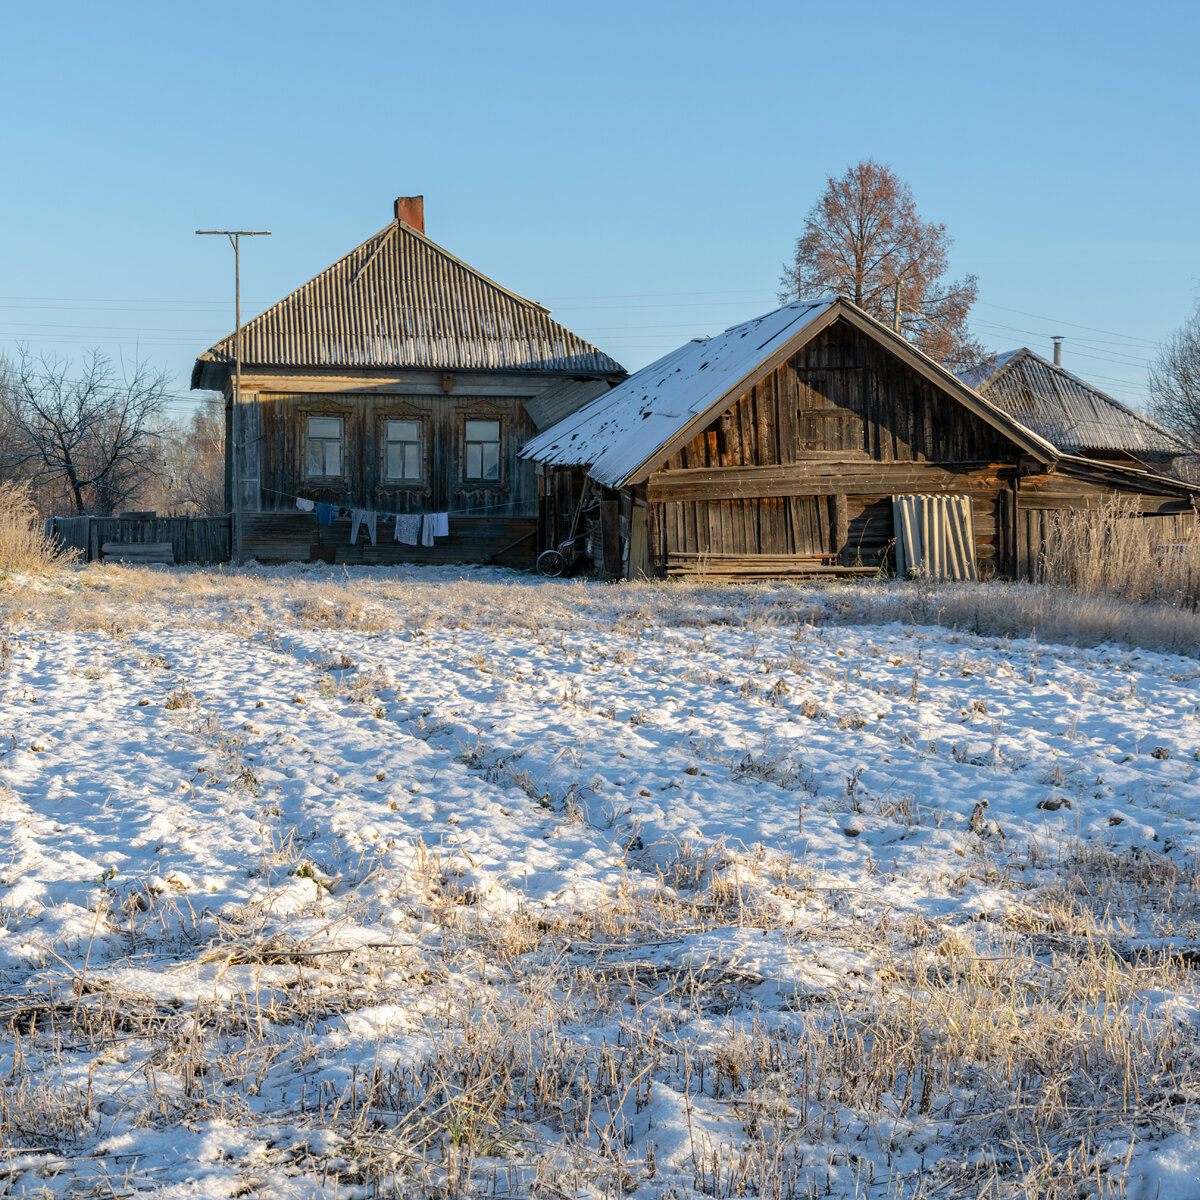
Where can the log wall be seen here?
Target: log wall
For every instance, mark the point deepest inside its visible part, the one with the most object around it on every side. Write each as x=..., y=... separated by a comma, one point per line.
x=266, y=462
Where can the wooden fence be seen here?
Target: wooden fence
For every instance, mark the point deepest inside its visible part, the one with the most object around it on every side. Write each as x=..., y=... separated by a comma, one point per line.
x=193, y=539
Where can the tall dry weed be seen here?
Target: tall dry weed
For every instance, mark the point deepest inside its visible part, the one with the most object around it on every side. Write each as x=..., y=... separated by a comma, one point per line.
x=23, y=545
x=1111, y=550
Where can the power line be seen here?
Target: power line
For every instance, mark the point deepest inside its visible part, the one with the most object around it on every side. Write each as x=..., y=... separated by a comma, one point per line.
x=110, y=328
x=113, y=300
x=1072, y=324
x=1127, y=359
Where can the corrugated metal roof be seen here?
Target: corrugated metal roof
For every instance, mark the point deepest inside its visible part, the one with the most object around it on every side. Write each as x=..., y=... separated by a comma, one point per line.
x=400, y=300
x=619, y=434
x=1066, y=410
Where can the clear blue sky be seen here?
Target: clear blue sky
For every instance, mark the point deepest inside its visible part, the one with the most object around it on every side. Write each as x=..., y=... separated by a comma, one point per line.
x=643, y=169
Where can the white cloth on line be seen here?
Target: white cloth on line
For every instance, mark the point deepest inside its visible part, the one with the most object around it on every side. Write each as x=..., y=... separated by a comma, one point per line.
x=441, y=524
x=427, y=524
x=358, y=518
x=305, y=505
x=408, y=528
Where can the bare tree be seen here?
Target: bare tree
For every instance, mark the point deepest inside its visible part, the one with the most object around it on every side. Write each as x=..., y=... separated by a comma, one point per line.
x=864, y=239
x=193, y=455
x=89, y=438
x=1174, y=385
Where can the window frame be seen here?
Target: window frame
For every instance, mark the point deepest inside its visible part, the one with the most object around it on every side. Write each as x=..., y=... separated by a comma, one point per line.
x=483, y=411
x=323, y=414
x=470, y=443
x=404, y=482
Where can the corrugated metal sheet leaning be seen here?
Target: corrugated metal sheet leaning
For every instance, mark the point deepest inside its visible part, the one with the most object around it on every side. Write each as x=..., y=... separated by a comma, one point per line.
x=400, y=300
x=1067, y=410
x=935, y=536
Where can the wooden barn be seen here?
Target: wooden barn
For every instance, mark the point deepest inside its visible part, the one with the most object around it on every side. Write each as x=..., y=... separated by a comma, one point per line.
x=398, y=381
x=813, y=440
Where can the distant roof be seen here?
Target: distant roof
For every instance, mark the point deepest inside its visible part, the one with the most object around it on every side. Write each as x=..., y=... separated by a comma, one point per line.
x=624, y=434
x=399, y=300
x=1065, y=409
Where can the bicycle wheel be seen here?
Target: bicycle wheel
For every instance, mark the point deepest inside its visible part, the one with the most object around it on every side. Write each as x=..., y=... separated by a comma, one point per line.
x=551, y=563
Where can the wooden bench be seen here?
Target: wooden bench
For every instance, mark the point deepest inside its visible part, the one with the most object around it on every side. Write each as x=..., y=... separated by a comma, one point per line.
x=139, y=553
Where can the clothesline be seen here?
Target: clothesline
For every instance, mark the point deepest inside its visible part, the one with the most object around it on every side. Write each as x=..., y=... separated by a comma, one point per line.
x=345, y=510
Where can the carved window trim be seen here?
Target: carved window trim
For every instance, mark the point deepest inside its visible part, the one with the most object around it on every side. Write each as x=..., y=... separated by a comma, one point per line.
x=404, y=411
x=323, y=411
x=482, y=410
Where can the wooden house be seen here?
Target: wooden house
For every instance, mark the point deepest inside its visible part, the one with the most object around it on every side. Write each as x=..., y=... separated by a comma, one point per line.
x=398, y=380
x=814, y=439
x=1071, y=413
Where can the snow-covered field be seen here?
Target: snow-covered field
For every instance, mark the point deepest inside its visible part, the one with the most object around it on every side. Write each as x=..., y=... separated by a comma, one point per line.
x=396, y=883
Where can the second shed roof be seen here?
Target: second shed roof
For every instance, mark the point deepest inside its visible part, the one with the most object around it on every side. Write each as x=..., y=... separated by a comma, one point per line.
x=1066, y=410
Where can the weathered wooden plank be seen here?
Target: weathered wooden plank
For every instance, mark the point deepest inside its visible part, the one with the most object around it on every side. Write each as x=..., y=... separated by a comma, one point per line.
x=610, y=535
x=637, y=566
x=823, y=478
x=139, y=552
x=841, y=523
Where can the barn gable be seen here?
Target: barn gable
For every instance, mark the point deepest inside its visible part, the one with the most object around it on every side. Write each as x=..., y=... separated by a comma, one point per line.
x=836, y=398
x=625, y=435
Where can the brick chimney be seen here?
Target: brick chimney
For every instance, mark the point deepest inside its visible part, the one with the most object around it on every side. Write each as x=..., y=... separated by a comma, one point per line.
x=411, y=210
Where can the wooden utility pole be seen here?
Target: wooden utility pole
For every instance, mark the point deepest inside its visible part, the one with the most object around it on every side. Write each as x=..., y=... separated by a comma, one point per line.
x=237, y=440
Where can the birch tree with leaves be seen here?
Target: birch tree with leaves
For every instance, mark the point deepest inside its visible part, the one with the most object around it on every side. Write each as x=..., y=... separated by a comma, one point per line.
x=864, y=239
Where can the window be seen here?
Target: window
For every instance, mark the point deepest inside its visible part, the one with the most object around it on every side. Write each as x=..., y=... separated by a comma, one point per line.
x=402, y=450
x=323, y=455
x=483, y=450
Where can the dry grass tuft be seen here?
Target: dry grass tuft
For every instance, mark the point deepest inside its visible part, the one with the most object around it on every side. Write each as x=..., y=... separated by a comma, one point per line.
x=23, y=545
x=1111, y=551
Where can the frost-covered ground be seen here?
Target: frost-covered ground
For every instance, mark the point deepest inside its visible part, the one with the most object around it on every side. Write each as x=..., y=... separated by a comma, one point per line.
x=395, y=883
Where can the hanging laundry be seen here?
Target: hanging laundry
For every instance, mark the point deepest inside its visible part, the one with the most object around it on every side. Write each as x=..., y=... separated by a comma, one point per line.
x=304, y=505
x=325, y=514
x=358, y=518
x=441, y=524
x=427, y=523
x=408, y=528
